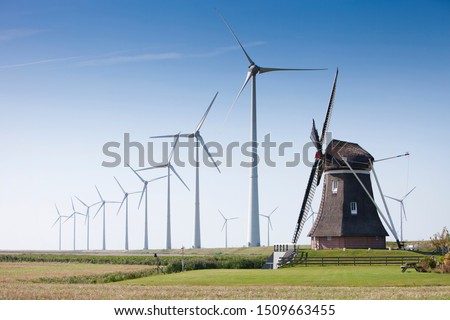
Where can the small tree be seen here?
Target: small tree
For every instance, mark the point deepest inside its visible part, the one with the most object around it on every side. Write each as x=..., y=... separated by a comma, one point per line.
x=441, y=241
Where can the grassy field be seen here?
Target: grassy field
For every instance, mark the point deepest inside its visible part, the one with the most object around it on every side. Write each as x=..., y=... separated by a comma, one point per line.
x=30, y=281
x=77, y=280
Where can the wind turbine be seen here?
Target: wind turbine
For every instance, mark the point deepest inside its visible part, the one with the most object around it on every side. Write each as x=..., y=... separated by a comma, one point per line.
x=74, y=216
x=86, y=220
x=103, y=205
x=313, y=213
x=225, y=225
x=144, y=191
x=59, y=220
x=198, y=140
x=402, y=210
x=269, y=224
x=253, y=70
x=125, y=199
x=169, y=167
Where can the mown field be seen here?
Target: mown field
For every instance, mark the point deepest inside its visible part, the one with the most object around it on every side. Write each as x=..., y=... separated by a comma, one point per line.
x=69, y=278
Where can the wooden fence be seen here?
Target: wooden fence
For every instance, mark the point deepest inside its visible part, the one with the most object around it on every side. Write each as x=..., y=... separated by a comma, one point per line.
x=368, y=260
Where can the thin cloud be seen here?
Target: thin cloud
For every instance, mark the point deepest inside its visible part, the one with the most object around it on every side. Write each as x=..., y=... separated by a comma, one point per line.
x=45, y=61
x=133, y=58
x=11, y=34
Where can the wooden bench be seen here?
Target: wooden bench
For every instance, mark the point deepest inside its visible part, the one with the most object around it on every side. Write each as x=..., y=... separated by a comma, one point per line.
x=411, y=265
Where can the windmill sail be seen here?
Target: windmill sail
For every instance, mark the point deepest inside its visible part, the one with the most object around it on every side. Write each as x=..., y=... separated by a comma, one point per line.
x=317, y=169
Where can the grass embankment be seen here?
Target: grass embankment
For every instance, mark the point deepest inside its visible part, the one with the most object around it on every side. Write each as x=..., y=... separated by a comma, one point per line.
x=348, y=276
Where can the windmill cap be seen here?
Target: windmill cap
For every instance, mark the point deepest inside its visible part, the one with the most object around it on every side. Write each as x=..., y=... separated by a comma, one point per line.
x=353, y=153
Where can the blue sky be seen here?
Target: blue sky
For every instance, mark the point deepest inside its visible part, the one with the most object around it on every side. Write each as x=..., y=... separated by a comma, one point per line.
x=75, y=75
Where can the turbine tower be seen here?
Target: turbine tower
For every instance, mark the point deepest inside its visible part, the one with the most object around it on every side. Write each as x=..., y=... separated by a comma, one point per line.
x=125, y=199
x=253, y=70
x=198, y=140
x=74, y=216
x=225, y=225
x=103, y=205
x=144, y=191
x=86, y=220
x=269, y=224
x=169, y=167
x=59, y=220
x=402, y=210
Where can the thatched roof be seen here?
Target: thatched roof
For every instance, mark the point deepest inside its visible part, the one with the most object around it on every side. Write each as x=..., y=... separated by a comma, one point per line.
x=357, y=157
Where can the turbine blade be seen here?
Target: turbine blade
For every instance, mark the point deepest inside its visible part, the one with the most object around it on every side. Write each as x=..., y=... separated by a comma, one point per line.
x=249, y=75
x=174, y=171
x=142, y=195
x=81, y=202
x=119, y=185
x=55, y=222
x=200, y=138
x=99, y=208
x=223, y=225
x=233, y=218
x=59, y=214
x=143, y=181
x=392, y=198
x=235, y=37
x=273, y=211
x=121, y=204
x=158, y=178
x=404, y=212
x=165, y=136
x=68, y=218
x=206, y=113
x=99, y=193
x=409, y=193
x=155, y=167
x=270, y=224
x=71, y=200
x=177, y=137
x=264, y=70
x=326, y=123
x=222, y=214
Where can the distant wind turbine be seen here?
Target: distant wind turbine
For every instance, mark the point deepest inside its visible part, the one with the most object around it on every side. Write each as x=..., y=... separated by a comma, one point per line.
x=59, y=220
x=170, y=168
x=269, y=224
x=144, y=191
x=253, y=70
x=198, y=140
x=125, y=199
x=402, y=210
x=87, y=218
x=225, y=225
x=74, y=216
x=103, y=205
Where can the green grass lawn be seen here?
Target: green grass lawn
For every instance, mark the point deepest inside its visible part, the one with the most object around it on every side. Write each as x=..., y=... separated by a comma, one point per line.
x=342, y=276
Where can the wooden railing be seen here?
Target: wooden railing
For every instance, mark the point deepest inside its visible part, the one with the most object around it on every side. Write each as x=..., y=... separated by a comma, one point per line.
x=368, y=260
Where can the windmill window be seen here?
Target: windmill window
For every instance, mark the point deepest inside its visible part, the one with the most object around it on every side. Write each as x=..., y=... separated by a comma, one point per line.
x=334, y=186
x=353, y=208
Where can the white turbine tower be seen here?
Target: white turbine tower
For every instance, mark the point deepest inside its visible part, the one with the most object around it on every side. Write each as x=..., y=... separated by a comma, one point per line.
x=74, y=216
x=402, y=210
x=125, y=199
x=103, y=205
x=225, y=225
x=253, y=70
x=87, y=217
x=59, y=220
x=198, y=140
x=144, y=191
x=169, y=167
x=269, y=224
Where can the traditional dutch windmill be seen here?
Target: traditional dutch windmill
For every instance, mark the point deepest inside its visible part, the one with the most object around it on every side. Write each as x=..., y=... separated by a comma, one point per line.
x=348, y=216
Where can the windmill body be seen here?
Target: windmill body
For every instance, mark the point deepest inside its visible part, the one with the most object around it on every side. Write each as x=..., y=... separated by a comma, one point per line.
x=347, y=217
